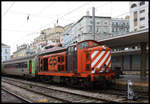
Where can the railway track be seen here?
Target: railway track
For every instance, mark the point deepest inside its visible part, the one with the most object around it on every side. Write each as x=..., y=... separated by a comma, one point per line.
x=59, y=95
x=69, y=95
x=94, y=96
x=23, y=100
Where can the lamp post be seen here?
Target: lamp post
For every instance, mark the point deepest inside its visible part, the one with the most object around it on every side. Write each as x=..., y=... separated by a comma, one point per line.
x=93, y=18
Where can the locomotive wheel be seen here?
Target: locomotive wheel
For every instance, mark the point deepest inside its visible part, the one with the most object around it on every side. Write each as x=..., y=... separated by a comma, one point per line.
x=87, y=84
x=67, y=81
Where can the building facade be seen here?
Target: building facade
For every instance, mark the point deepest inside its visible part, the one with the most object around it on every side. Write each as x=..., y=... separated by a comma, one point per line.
x=66, y=29
x=139, y=15
x=82, y=30
x=22, y=50
x=119, y=26
x=5, y=52
x=105, y=27
x=47, y=36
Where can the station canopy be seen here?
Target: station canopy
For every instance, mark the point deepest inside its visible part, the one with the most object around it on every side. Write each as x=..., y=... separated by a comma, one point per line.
x=129, y=39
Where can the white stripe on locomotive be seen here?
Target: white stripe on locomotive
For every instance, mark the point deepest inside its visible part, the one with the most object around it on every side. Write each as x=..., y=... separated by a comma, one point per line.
x=95, y=52
x=108, y=61
x=95, y=61
x=98, y=66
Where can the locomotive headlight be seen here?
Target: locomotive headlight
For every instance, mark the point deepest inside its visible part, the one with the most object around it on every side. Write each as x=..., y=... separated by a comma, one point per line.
x=102, y=70
x=104, y=47
x=93, y=71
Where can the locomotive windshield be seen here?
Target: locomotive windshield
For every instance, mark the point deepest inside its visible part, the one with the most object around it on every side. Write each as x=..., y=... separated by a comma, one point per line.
x=83, y=45
x=87, y=44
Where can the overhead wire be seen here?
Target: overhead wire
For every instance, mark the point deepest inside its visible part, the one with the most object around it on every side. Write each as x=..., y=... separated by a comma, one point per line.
x=15, y=30
x=8, y=9
x=35, y=14
x=68, y=13
x=53, y=21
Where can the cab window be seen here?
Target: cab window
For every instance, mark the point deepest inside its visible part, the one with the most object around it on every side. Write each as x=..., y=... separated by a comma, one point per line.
x=83, y=45
x=95, y=44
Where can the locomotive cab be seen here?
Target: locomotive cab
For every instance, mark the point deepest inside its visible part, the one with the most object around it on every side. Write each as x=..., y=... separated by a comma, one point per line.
x=84, y=59
x=95, y=59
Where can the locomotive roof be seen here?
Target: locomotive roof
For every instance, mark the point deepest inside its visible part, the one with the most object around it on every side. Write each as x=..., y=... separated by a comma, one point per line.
x=21, y=58
x=53, y=51
x=60, y=49
x=38, y=54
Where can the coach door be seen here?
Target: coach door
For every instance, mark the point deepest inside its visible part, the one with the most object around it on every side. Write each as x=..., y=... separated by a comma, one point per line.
x=72, y=59
x=30, y=66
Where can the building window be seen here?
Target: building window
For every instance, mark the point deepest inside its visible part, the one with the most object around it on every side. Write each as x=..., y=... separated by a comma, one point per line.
x=133, y=5
x=135, y=19
x=135, y=30
x=141, y=11
x=112, y=23
x=91, y=22
x=112, y=29
x=97, y=29
x=142, y=26
x=142, y=3
x=143, y=18
x=6, y=51
x=90, y=28
x=116, y=24
x=123, y=24
x=5, y=57
x=135, y=14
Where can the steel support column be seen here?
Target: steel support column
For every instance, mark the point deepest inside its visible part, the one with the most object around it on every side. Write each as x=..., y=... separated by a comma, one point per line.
x=143, y=61
x=122, y=62
x=130, y=62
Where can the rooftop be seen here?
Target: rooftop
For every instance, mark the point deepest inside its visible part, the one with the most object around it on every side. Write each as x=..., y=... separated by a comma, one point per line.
x=4, y=44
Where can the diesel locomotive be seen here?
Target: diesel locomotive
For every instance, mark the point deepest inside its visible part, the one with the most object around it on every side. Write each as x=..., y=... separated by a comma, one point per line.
x=80, y=64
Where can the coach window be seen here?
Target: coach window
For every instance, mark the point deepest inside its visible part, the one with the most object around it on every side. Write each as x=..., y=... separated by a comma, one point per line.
x=17, y=65
x=20, y=65
x=24, y=65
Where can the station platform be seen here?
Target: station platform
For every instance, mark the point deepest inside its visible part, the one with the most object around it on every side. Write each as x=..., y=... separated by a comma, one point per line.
x=138, y=84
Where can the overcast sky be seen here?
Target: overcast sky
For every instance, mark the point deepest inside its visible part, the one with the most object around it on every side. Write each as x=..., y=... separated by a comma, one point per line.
x=16, y=30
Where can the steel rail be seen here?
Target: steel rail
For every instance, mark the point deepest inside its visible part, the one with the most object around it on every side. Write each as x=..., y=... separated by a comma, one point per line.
x=17, y=96
x=66, y=101
x=106, y=100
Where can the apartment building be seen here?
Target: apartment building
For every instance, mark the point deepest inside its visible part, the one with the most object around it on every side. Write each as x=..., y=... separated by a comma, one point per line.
x=139, y=18
x=82, y=30
x=119, y=26
x=5, y=52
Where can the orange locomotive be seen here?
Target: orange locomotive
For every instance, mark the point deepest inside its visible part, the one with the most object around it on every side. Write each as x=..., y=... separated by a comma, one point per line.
x=87, y=61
